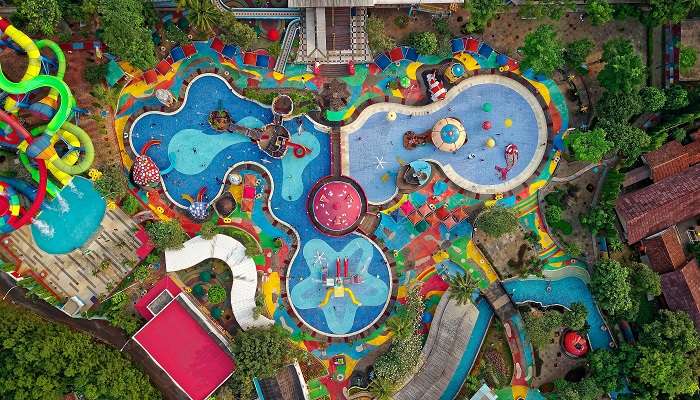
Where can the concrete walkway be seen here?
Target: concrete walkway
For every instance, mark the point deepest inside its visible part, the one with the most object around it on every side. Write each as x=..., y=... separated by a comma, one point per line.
x=450, y=331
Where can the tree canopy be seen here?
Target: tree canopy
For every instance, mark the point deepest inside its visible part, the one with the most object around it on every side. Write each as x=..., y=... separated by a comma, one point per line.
x=590, y=146
x=125, y=32
x=539, y=9
x=236, y=32
x=542, y=51
x=676, y=98
x=423, y=42
x=624, y=70
x=481, y=12
x=599, y=11
x=42, y=16
x=629, y=140
x=166, y=234
x=688, y=58
x=496, y=221
x=576, y=52
x=611, y=287
x=112, y=185
x=377, y=37
x=670, y=10
x=42, y=360
x=462, y=286
x=618, y=106
x=653, y=98
x=203, y=14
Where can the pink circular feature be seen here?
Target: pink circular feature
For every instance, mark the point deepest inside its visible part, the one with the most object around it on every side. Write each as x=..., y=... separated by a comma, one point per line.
x=575, y=344
x=486, y=125
x=337, y=206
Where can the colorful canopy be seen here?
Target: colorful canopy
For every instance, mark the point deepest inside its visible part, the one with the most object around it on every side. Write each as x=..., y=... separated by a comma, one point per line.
x=448, y=134
x=114, y=73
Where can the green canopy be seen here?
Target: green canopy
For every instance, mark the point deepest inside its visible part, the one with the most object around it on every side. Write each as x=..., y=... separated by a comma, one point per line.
x=205, y=276
x=217, y=312
x=198, y=290
x=114, y=73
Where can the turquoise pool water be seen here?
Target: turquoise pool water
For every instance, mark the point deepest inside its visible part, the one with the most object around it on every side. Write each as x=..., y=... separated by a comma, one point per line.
x=563, y=292
x=70, y=219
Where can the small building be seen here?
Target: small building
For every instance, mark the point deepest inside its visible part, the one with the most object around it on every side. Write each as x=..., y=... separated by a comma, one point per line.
x=651, y=209
x=287, y=384
x=681, y=290
x=181, y=341
x=671, y=158
x=664, y=250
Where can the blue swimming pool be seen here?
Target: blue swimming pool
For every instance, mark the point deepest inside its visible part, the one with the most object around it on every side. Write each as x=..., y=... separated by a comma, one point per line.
x=376, y=148
x=70, y=219
x=201, y=157
x=563, y=292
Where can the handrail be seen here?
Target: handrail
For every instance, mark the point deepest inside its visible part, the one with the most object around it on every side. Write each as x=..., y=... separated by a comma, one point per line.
x=287, y=42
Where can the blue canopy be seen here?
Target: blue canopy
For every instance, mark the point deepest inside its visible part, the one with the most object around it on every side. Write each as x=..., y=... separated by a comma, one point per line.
x=457, y=45
x=177, y=54
x=229, y=51
x=382, y=61
x=412, y=54
x=502, y=59
x=485, y=50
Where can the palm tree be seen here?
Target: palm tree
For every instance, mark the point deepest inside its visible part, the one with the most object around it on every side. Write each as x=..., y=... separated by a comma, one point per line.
x=382, y=389
x=462, y=286
x=401, y=325
x=203, y=14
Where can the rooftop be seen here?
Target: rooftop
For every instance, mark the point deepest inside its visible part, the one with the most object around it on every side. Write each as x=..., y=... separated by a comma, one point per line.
x=178, y=339
x=681, y=290
x=664, y=250
x=660, y=205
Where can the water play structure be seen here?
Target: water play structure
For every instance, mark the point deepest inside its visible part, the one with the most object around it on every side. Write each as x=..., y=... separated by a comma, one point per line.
x=37, y=147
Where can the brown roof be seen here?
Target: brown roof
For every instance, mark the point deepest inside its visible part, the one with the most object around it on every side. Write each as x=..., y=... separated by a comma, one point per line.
x=660, y=205
x=666, y=153
x=681, y=290
x=664, y=250
x=693, y=150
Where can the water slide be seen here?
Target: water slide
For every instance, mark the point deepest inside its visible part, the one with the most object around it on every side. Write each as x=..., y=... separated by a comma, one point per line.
x=43, y=178
x=289, y=35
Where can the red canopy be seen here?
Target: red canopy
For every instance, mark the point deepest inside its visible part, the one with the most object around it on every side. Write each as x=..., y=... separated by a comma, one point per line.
x=189, y=49
x=396, y=54
x=472, y=45
x=217, y=45
x=163, y=67
x=273, y=35
x=575, y=344
x=150, y=76
x=249, y=58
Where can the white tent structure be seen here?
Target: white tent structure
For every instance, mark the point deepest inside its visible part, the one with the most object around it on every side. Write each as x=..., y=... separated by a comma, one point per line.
x=232, y=252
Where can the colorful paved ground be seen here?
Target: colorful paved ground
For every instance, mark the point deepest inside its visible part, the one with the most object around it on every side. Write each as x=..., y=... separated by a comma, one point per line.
x=432, y=249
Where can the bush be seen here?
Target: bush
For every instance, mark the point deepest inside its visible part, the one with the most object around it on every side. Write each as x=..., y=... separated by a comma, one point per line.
x=236, y=32
x=198, y=290
x=216, y=294
x=377, y=37
x=497, y=221
x=175, y=35
x=166, y=234
x=676, y=98
x=141, y=273
x=95, y=73
x=208, y=230
x=688, y=58
x=401, y=21
x=653, y=98
x=112, y=185
x=130, y=205
x=424, y=42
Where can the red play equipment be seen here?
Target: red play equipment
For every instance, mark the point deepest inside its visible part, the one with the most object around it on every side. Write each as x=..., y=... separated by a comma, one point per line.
x=486, y=125
x=41, y=166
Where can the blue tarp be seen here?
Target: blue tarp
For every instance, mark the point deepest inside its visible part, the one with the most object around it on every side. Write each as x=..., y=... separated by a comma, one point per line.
x=382, y=61
x=177, y=54
x=229, y=51
x=457, y=45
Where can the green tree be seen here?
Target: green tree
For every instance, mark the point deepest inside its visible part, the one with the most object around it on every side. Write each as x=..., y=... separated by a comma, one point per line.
x=599, y=11
x=42, y=16
x=653, y=98
x=598, y=219
x=539, y=9
x=462, y=287
x=203, y=15
x=236, y=32
x=590, y=146
x=216, y=294
x=624, y=70
x=611, y=287
x=112, y=185
x=382, y=389
x=166, y=234
x=676, y=98
x=141, y=273
x=130, y=205
x=175, y=34
x=618, y=106
x=540, y=327
x=423, y=42
x=260, y=352
x=670, y=10
x=576, y=52
x=644, y=280
x=497, y=221
x=125, y=32
x=542, y=51
x=95, y=73
x=377, y=37
x=553, y=214
x=208, y=230
x=43, y=360
x=481, y=12
x=576, y=317
x=629, y=140
x=688, y=58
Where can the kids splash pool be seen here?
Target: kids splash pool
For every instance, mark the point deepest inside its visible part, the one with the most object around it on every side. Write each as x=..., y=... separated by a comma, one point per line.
x=374, y=147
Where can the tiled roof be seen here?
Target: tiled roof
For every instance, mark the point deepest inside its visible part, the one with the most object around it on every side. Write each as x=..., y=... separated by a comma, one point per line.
x=660, y=205
x=664, y=250
x=666, y=153
x=681, y=290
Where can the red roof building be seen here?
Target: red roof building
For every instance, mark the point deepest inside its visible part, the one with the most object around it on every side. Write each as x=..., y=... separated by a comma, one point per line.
x=664, y=250
x=664, y=203
x=181, y=341
x=672, y=158
x=681, y=290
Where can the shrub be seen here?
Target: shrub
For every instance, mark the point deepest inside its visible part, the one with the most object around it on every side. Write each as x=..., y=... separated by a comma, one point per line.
x=112, y=185
x=401, y=21
x=130, y=205
x=141, y=273
x=377, y=37
x=216, y=294
x=95, y=73
x=424, y=42
x=688, y=58
x=497, y=221
x=166, y=234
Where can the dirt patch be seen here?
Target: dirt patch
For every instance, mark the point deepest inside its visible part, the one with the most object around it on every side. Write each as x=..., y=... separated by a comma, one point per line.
x=508, y=254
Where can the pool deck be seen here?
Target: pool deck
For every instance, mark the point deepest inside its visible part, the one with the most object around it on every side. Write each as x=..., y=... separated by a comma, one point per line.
x=513, y=182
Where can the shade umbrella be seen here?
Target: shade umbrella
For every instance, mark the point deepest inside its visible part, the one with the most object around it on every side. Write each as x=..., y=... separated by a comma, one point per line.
x=405, y=82
x=448, y=134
